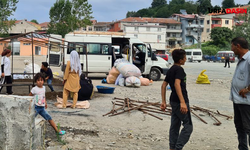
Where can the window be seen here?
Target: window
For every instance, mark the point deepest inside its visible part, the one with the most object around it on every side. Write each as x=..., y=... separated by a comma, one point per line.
x=90, y=28
x=136, y=28
x=208, y=21
x=79, y=47
x=148, y=28
x=84, y=28
x=190, y=41
x=55, y=46
x=135, y=35
x=93, y=48
x=168, y=34
x=226, y=21
x=37, y=50
x=196, y=53
x=188, y=53
x=159, y=29
x=174, y=34
x=26, y=43
x=208, y=30
x=158, y=37
x=105, y=49
x=168, y=27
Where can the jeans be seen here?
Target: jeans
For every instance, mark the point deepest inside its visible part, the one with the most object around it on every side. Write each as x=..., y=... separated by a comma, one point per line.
x=8, y=80
x=242, y=124
x=178, y=140
x=41, y=110
x=49, y=81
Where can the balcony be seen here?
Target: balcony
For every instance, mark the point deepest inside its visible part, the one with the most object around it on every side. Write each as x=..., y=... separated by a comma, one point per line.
x=173, y=38
x=174, y=30
x=215, y=25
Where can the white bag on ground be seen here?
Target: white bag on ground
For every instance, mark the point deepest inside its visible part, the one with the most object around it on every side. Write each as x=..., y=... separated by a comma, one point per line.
x=28, y=67
x=133, y=81
x=127, y=69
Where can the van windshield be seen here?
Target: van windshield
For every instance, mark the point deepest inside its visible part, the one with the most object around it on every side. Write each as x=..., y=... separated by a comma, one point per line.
x=188, y=53
x=196, y=53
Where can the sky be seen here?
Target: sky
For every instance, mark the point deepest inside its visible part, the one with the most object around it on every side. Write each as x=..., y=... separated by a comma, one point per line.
x=103, y=10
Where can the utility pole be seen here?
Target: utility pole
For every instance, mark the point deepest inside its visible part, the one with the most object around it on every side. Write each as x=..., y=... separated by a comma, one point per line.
x=199, y=31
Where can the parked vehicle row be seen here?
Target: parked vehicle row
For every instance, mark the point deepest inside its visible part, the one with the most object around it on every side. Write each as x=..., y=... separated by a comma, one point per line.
x=221, y=56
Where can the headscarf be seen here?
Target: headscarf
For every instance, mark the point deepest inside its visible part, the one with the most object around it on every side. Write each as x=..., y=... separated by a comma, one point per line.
x=75, y=62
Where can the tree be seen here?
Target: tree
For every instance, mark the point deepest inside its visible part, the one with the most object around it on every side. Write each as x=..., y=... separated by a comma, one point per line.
x=34, y=21
x=228, y=4
x=157, y=3
x=221, y=36
x=243, y=30
x=176, y=2
x=7, y=7
x=249, y=3
x=216, y=7
x=163, y=12
x=67, y=16
x=130, y=14
x=204, y=5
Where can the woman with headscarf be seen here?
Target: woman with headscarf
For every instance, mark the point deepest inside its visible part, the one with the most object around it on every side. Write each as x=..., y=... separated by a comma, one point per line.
x=6, y=70
x=72, y=78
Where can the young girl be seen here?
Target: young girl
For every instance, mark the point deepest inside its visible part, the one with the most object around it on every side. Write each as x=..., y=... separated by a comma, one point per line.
x=40, y=101
x=72, y=78
x=6, y=70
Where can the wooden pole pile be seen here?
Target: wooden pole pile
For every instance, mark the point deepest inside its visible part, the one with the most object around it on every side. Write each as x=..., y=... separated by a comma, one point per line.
x=123, y=105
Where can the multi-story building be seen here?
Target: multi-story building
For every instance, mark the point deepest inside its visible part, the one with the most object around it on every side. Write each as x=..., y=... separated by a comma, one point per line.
x=192, y=28
x=96, y=26
x=161, y=33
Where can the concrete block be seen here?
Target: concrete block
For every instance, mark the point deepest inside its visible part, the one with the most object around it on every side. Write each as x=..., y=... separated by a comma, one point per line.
x=17, y=124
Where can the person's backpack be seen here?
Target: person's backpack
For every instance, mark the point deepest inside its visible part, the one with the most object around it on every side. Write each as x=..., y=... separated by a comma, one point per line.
x=87, y=90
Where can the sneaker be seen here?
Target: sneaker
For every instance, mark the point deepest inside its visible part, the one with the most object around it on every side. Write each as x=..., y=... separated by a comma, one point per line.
x=62, y=132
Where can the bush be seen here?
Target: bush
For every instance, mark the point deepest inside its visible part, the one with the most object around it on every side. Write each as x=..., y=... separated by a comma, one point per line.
x=210, y=50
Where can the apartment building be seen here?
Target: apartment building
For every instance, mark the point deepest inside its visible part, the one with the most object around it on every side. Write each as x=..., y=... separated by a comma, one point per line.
x=160, y=33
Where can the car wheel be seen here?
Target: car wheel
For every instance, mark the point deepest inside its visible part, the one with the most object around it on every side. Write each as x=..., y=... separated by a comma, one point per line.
x=199, y=61
x=155, y=74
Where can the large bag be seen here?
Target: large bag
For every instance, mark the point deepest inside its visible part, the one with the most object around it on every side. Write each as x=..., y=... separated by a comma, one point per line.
x=127, y=69
x=113, y=74
x=87, y=89
x=133, y=81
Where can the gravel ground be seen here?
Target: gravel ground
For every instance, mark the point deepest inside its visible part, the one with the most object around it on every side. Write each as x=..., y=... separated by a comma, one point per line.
x=87, y=129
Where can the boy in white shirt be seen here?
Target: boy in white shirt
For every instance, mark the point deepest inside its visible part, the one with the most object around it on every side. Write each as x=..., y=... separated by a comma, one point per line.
x=40, y=101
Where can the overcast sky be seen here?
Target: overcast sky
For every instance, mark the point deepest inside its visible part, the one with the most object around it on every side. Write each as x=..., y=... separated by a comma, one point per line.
x=103, y=10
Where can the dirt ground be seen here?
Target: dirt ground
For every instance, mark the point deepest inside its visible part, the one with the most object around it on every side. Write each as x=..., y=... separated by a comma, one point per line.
x=87, y=129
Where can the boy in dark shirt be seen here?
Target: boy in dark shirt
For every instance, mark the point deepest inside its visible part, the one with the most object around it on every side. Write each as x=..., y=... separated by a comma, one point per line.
x=48, y=74
x=176, y=78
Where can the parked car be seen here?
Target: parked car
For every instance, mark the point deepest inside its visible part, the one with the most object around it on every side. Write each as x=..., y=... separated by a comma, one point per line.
x=223, y=54
x=164, y=56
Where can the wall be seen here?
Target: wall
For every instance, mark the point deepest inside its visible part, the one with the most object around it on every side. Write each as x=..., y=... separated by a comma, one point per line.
x=23, y=27
x=17, y=124
x=229, y=25
x=26, y=50
x=149, y=36
x=3, y=44
x=205, y=36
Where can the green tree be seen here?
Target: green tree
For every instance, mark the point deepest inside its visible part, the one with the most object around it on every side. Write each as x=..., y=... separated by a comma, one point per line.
x=163, y=12
x=221, y=36
x=243, y=30
x=157, y=3
x=176, y=2
x=7, y=7
x=34, y=21
x=130, y=14
x=204, y=5
x=66, y=16
x=249, y=3
x=217, y=7
x=228, y=4
x=144, y=13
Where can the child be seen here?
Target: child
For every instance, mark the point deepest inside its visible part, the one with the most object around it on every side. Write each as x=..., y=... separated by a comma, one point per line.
x=40, y=101
x=48, y=74
x=176, y=78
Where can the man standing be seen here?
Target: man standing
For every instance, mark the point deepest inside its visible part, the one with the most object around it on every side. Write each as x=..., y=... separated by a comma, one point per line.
x=227, y=58
x=240, y=88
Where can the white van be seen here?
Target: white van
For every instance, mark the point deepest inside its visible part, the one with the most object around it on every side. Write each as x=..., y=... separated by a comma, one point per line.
x=103, y=50
x=194, y=55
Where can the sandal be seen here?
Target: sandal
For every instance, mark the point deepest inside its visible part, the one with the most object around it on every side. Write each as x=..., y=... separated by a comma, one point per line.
x=61, y=132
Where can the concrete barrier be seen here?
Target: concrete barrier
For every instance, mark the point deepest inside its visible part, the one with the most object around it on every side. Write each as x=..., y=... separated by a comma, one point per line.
x=19, y=129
